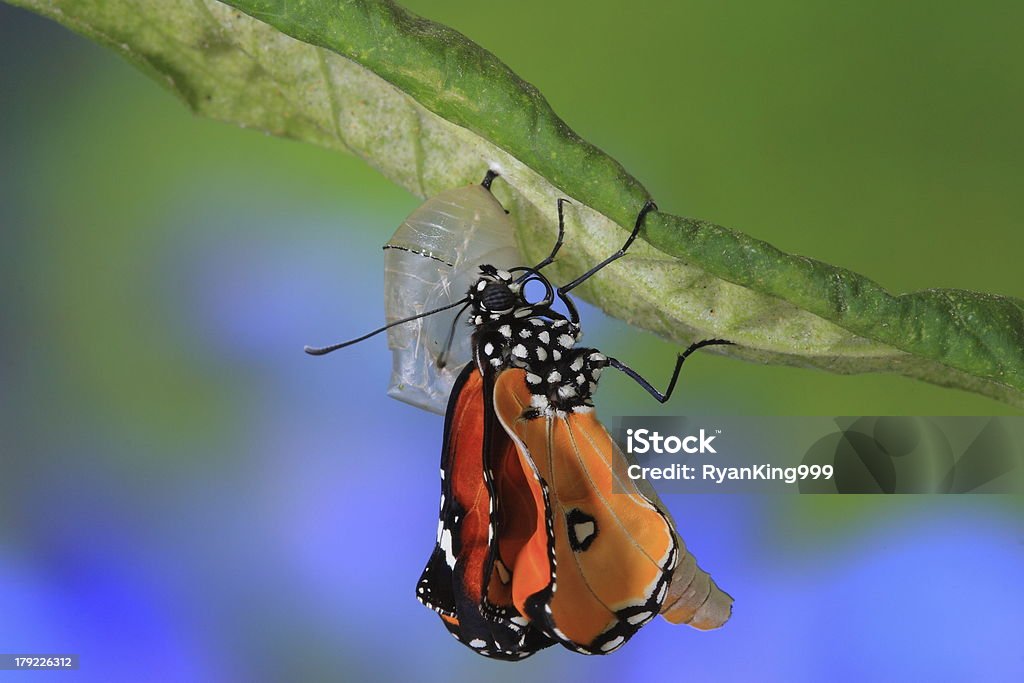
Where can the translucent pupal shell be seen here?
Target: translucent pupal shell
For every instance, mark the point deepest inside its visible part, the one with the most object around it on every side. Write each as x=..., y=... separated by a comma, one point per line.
x=430, y=262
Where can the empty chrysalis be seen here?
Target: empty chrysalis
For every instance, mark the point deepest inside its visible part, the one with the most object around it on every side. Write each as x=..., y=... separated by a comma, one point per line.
x=430, y=262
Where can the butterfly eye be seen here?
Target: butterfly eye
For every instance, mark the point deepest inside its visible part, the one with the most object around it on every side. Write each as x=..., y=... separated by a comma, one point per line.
x=496, y=297
x=535, y=291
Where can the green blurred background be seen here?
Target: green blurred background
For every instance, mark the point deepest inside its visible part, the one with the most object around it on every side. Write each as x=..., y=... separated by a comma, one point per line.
x=176, y=479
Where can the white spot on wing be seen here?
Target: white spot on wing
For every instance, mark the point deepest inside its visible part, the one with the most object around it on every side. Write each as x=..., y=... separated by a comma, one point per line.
x=584, y=530
x=639, y=618
x=503, y=574
x=446, y=545
x=612, y=644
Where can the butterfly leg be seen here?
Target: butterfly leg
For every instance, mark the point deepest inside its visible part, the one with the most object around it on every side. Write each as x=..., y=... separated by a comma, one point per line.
x=558, y=241
x=647, y=208
x=574, y=316
x=442, y=359
x=663, y=397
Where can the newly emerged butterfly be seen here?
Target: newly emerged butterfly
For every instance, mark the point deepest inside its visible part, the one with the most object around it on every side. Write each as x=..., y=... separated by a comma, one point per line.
x=533, y=545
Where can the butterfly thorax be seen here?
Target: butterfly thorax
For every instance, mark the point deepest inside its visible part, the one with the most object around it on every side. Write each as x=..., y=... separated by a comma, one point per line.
x=567, y=384
x=524, y=343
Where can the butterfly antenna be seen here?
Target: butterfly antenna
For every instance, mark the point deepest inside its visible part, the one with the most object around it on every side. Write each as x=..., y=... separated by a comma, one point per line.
x=315, y=351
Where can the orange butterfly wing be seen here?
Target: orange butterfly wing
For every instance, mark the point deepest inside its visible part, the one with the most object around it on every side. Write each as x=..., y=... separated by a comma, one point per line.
x=615, y=552
x=464, y=563
x=523, y=560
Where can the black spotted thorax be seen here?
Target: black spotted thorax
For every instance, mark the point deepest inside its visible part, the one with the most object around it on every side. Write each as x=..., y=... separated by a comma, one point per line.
x=566, y=385
x=511, y=332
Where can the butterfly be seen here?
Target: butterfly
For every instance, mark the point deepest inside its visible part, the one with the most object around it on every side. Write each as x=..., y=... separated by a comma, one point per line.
x=526, y=482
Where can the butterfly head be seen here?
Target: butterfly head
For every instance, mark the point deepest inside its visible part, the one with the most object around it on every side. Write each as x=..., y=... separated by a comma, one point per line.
x=498, y=295
x=495, y=293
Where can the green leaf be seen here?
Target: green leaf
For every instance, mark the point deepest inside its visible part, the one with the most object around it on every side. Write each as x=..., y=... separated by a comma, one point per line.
x=432, y=110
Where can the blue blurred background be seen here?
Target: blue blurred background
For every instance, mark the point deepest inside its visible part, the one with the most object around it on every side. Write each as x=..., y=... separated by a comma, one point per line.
x=185, y=496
